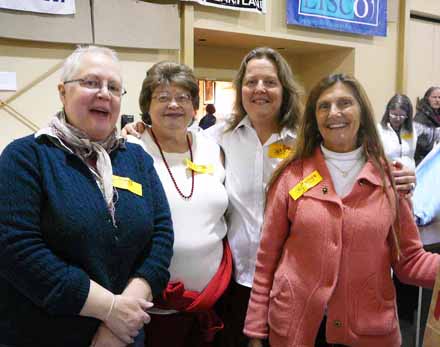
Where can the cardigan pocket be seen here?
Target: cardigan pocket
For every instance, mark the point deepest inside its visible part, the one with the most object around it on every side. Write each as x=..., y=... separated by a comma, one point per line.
x=281, y=306
x=373, y=313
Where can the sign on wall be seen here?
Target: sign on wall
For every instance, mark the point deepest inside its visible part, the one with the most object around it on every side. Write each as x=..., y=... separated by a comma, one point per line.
x=41, y=6
x=365, y=17
x=240, y=5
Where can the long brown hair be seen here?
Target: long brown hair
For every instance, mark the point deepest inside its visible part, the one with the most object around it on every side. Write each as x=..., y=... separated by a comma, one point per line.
x=309, y=137
x=291, y=105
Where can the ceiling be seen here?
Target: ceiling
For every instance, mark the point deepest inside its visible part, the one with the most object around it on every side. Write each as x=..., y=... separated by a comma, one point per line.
x=214, y=38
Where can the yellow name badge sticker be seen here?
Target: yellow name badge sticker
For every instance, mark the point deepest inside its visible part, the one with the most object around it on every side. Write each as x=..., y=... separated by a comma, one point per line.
x=407, y=136
x=279, y=150
x=203, y=169
x=307, y=183
x=127, y=184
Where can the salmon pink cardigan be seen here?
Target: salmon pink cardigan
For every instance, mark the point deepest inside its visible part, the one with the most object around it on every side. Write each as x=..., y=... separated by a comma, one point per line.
x=323, y=255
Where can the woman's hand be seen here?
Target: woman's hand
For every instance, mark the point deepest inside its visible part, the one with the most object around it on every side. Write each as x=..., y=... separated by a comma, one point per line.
x=135, y=129
x=404, y=178
x=127, y=317
x=105, y=338
x=255, y=343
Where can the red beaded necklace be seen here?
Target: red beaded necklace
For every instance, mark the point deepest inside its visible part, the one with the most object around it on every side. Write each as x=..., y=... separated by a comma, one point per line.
x=186, y=197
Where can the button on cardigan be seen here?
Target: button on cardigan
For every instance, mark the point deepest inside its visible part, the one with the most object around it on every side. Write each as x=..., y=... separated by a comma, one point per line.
x=322, y=252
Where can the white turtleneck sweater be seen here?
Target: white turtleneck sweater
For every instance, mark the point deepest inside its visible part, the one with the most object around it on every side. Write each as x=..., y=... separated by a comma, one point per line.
x=344, y=168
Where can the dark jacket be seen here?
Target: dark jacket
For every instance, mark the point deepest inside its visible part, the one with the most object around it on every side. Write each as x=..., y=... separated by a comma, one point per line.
x=207, y=121
x=428, y=130
x=56, y=234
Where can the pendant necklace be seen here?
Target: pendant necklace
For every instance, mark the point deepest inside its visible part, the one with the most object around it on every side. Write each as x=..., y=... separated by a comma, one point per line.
x=344, y=173
x=185, y=197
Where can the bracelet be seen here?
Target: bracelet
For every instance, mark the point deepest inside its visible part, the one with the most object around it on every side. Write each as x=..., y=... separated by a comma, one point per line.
x=111, y=308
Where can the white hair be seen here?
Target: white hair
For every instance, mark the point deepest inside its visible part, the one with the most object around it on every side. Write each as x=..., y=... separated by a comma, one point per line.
x=73, y=61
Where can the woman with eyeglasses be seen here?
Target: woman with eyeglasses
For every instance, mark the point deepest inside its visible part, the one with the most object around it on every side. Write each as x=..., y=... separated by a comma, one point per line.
x=85, y=229
x=427, y=122
x=397, y=133
x=399, y=138
x=190, y=167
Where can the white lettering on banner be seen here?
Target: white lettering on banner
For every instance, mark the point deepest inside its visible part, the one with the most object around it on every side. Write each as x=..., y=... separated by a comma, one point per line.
x=365, y=12
x=365, y=17
x=59, y=7
x=356, y=8
x=251, y=3
x=258, y=6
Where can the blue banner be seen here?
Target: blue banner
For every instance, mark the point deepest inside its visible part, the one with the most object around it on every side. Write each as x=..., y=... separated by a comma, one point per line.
x=365, y=17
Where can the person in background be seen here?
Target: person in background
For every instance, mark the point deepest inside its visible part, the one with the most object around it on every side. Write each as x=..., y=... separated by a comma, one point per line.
x=399, y=139
x=208, y=119
x=190, y=166
x=332, y=286
x=397, y=133
x=85, y=229
x=427, y=122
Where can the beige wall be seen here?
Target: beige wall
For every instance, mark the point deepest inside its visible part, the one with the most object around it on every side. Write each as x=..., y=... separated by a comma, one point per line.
x=380, y=63
x=372, y=59
x=37, y=67
x=420, y=51
x=427, y=7
x=318, y=65
x=423, y=61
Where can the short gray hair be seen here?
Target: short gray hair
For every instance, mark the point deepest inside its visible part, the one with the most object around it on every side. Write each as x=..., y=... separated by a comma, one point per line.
x=72, y=62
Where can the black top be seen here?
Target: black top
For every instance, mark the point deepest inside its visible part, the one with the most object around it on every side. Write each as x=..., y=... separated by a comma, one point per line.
x=207, y=121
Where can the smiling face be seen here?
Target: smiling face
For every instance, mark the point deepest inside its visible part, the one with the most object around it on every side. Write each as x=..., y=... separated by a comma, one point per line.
x=171, y=108
x=262, y=92
x=434, y=99
x=94, y=112
x=338, y=116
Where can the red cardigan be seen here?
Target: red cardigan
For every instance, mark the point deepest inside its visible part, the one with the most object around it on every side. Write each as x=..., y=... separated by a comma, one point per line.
x=335, y=254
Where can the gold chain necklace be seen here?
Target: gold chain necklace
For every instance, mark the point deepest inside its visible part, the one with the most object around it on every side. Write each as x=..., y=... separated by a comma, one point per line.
x=344, y=173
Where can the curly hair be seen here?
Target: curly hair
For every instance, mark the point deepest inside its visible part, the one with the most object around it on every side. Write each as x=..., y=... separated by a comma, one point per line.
x=165, y=73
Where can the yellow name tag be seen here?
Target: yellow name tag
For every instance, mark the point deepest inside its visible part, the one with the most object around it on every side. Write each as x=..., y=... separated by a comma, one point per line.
x=279, y=150
x=204, y=169
x=407, y=136
x=127, y=184
x=307, y=183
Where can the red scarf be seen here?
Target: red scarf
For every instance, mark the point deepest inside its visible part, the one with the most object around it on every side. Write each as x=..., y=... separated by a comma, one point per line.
x=176, y=297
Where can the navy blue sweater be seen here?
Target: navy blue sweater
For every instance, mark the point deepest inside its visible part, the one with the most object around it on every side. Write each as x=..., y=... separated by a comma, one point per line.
x=56, y=233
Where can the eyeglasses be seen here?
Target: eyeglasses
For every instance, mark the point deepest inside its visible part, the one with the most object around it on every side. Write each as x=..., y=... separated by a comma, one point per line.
x=95, y=85
x=398, y=116
x=181, y=99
